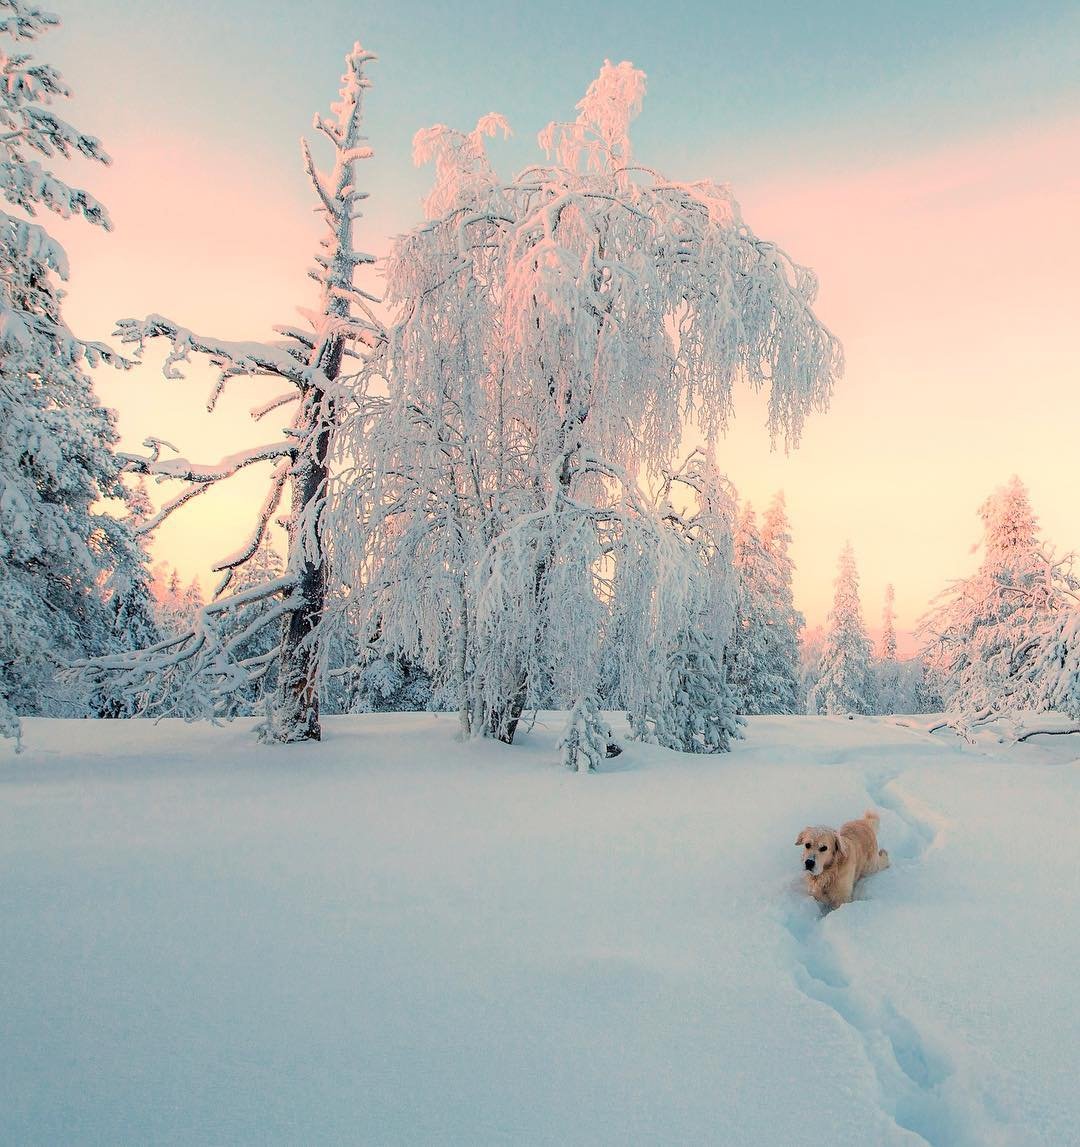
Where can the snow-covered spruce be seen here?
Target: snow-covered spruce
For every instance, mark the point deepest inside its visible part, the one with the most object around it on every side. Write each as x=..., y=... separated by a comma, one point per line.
x=845, y=681
x=890, y=695
x=992, y=639
x=73, y=579
x=788, y=622
x=555, y=333
x=222, y=654
x=675, y=688
x=1053, y=660
x=763, y=659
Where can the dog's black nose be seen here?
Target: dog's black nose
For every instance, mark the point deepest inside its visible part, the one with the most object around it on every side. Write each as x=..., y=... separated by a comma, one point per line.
x=810, y=865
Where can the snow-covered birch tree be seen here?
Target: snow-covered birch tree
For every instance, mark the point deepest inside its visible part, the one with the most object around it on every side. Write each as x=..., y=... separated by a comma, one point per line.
x=68, y=570
x=304, y=373
x=845, y=683
x=556, y=333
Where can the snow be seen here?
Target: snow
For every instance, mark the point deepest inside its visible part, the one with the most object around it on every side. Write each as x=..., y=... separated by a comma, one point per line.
x=398, y=938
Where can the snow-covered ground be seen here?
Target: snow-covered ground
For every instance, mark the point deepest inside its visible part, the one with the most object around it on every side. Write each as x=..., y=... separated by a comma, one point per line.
x=394, y=938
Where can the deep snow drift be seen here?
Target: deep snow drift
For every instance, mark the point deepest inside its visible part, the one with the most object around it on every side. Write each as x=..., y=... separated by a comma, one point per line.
x=394, y=938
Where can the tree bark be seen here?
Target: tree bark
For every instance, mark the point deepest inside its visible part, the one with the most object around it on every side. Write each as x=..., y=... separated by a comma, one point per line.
x=296, y=714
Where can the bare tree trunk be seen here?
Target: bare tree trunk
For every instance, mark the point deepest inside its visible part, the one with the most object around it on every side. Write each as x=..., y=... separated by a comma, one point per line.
x=503, y=721
x=296, y=713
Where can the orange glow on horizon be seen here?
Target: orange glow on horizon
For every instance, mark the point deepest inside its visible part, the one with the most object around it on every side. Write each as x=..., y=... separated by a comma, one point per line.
x=948, y=277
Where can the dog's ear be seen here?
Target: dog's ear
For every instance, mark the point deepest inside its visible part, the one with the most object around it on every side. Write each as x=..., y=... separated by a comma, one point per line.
x=801, y=838
x=841, y=846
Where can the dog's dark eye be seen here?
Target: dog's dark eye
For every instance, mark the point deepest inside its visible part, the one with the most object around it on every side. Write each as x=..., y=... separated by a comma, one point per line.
x=808, y=844
x=823, y=848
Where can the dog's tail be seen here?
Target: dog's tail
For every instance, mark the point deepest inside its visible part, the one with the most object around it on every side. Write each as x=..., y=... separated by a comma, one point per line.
x=871, y=814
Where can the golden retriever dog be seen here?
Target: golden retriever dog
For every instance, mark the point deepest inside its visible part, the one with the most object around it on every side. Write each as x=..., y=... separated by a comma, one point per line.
x=835, y=859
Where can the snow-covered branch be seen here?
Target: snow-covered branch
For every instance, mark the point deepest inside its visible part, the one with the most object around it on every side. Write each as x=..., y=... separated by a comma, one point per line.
x=344, y=323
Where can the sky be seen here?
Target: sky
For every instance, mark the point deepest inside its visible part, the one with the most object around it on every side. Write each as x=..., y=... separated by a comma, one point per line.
x=923, y=158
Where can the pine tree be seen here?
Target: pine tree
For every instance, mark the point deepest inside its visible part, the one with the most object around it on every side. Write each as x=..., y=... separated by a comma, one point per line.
x=979, y=637
x=684, y=699
x=129, y=599
x=811, y=647
x=763, y=663
x=60, y=555
x=888, y=667
x=845, y=682
x=748, y=657
x=785, y=626
x=1054, y=659
x=788, y=622
x=926, y=689
x=170, y=601
x=258, y=647
x=192, y=601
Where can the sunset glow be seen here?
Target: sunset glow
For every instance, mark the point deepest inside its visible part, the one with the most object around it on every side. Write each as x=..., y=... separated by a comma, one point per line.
x=945, y=251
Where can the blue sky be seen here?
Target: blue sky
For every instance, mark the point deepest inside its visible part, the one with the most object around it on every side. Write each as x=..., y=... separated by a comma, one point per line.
x=754, y=89
x=923, y=158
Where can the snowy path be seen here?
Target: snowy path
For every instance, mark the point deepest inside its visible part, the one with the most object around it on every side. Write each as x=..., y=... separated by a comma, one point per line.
x=397, y=939
x=913, y=1071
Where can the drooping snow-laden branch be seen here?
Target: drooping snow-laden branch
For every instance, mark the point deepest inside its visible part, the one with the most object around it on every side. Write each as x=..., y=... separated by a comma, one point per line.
x=188, y=673
x=556, y=333
x=310, y=360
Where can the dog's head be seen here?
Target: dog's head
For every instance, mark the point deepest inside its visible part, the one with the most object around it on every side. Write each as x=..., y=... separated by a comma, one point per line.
x=821, y=847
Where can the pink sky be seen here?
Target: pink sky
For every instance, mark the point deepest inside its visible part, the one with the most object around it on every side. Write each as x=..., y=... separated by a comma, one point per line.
x=949, y=277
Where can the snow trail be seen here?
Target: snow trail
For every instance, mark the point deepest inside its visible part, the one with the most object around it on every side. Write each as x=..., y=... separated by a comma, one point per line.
x=921, y=1088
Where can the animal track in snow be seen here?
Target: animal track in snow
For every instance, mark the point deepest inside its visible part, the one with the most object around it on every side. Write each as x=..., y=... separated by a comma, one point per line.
x=917, y=1083
x=911, y=1072
x=924, y=828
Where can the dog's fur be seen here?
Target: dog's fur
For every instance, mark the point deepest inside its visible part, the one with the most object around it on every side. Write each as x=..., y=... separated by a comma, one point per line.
x=841, y=857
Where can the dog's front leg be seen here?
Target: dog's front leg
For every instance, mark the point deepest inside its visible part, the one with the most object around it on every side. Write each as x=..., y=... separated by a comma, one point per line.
x=842, y=890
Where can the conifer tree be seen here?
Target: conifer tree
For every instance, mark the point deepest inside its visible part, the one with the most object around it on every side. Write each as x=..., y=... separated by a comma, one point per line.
x=845, y=682
x=788, y=622
x=811, y=647
x=763, y=663
x=887, y=666
x=129, y=600
x=747, y=658
x=1054, y=659
x=62, y=558
x=980, y=636
x=685, y=700
x=258, y=648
